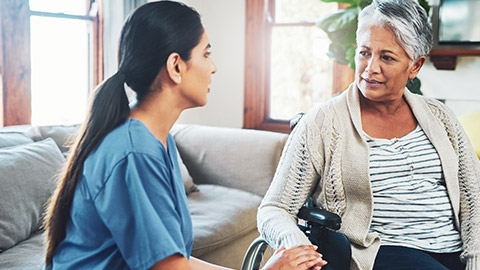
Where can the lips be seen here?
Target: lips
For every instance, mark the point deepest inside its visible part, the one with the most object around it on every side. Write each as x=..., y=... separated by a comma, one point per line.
x=371, y=81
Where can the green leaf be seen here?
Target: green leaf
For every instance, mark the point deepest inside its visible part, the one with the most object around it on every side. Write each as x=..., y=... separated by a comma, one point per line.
x=414, y=86
x=337, y=53
x=350, y=55
x=346, y=19
x=425, y=5
x=343, y=36
x=364, y=3
x=325, y=22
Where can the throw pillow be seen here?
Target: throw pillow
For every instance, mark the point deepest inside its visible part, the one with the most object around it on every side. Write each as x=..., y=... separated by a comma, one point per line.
x=187, y=179
x=27, y=178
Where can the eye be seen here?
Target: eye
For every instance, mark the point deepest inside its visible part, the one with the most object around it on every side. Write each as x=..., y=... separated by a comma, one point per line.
x=387, y=58
x=363, y=53
x=208, y=53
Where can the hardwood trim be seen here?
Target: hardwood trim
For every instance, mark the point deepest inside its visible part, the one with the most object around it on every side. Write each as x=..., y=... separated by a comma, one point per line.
x=1, y=66
x=98, y=68
x=16, y=70
x=255, y=66
x=457, y=52
x=444, y=62
x=446, y=59
x=343, y=76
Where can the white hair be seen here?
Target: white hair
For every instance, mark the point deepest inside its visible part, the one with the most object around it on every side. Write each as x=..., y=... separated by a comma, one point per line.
x=407, y=19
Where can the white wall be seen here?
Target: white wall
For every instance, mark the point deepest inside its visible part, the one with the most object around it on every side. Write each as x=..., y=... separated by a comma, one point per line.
x=460, y=88
x=224, y=22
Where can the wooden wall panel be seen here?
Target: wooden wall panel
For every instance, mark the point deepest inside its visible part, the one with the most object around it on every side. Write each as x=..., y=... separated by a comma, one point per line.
x=1, y=68
x=254, y=98
x=16, y=68
x=343, y=76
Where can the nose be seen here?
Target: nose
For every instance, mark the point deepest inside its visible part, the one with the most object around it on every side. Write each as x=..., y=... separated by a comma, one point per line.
x=373, y=65
x=214, y=67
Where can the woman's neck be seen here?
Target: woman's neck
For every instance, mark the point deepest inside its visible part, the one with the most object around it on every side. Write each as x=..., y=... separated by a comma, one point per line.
x=158, y=113
x=387, y=120
x=384, y=108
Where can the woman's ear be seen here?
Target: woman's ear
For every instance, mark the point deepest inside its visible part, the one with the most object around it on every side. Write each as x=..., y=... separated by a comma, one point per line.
x=416, y=66
x=175, y=67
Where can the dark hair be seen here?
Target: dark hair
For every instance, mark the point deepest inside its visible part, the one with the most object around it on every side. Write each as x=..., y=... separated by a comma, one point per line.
x=150, y=34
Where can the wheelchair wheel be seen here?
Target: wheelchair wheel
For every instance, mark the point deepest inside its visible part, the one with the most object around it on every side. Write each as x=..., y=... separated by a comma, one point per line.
x=257, y=255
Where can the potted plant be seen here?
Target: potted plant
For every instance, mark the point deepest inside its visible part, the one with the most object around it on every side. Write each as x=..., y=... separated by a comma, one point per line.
x=341, y=28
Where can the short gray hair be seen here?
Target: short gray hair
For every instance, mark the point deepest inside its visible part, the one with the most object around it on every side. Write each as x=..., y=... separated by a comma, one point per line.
x=407, y=19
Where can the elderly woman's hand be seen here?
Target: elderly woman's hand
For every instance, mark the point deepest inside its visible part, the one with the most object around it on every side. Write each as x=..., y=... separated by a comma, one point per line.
x=298, y=258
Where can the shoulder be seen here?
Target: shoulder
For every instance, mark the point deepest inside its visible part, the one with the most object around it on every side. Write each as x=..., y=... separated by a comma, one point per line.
x=130, y=137
x=127, y=144
x=323, y=115
x=440, y=109
x=435, y=106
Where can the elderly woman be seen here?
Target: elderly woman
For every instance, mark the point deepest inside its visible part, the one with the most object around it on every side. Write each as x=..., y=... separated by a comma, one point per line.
x=397, y=167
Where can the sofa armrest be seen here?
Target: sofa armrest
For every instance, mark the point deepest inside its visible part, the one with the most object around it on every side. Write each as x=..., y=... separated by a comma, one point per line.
x=239, y=158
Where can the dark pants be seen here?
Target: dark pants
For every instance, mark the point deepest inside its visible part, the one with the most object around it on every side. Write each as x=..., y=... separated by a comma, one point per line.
x=403, y=258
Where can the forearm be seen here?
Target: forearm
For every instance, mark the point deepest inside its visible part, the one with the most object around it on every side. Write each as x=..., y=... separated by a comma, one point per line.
x=279, y=228
x=288, y=191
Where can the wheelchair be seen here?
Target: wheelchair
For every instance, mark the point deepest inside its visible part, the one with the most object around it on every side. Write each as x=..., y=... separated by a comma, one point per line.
x=319, y=226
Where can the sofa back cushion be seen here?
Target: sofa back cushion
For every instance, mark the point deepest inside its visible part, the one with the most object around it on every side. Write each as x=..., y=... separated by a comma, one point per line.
x=239, y=158
x=63, y=135
x=12, y=138
x=28, y=176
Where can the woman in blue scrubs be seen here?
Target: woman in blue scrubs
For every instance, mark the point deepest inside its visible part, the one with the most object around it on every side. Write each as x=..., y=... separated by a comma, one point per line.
x=121, y=202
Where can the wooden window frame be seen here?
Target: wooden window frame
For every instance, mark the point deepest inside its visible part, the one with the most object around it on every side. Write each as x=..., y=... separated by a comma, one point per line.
x=258, y=33
x=15, y=63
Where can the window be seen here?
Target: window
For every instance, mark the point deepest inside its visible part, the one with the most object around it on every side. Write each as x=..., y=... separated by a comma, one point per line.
x=50, y=58
x=61, y=47
x=287, y=70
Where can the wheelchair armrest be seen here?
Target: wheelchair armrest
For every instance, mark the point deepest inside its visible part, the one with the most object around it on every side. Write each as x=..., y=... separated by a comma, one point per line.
x=295, y=119
x=320, y=217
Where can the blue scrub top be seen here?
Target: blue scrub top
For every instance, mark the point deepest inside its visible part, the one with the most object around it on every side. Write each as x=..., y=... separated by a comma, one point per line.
x=129, y=209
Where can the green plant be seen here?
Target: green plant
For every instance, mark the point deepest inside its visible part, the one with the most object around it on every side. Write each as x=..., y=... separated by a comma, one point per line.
x=341, y=28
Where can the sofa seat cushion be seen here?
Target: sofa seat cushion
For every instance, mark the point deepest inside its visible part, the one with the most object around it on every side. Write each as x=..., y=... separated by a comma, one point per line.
x=221, y=215
x=26, y=255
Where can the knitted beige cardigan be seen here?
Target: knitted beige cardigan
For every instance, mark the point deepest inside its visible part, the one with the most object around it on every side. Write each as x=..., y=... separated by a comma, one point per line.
x=327, y=157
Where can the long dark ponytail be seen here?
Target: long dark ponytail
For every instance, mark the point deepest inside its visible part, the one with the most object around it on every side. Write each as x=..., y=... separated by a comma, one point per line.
x=150, y=34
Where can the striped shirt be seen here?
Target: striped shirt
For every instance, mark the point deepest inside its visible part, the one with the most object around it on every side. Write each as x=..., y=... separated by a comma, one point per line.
x=411, y=204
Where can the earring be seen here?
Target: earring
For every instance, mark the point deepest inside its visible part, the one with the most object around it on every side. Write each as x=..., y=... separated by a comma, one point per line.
x=179, y=78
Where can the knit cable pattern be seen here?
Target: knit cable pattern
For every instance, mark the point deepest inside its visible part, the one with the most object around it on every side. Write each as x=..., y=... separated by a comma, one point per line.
x=334, y=191
x=469, y=183
x=469, y=201
x=296, y=186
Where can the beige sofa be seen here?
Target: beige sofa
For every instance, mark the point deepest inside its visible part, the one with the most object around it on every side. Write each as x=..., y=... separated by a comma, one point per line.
x=231, y=171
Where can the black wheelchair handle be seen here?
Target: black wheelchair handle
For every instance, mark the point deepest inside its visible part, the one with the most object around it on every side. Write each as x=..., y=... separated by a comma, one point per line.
x=320, y=217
